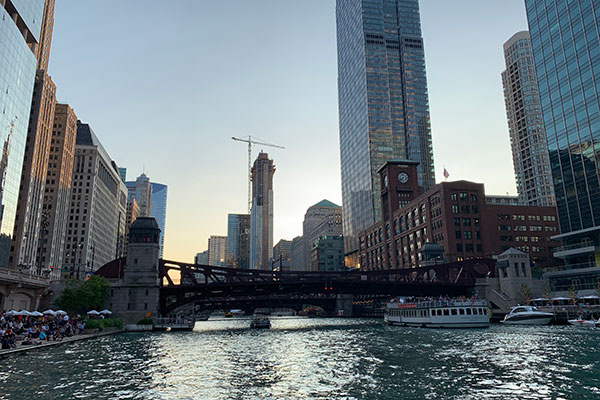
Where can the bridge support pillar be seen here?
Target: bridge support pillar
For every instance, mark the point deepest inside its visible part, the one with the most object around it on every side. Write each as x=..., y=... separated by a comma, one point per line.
x=343, y=305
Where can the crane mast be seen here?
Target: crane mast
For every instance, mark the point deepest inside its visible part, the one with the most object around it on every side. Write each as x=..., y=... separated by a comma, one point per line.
x=250, y=142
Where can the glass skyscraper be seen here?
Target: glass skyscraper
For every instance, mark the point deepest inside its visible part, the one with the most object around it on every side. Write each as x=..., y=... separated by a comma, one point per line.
x=566, y=49
x=383, y=102
x=525, y=123
x=158, y=210
x=20, y=22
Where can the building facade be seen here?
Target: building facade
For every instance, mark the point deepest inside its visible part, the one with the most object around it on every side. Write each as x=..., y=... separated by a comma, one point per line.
x=96, y=224
x=57, y=191
x=327, y=254
x=28, y=223
x=238, y=240
x=201, y=258
x=298, y=262
x=455, y=216
x=261, y=214
x=321, y=219
x=217, y=250
x=566, y=50
x=20, y=25
x=525, y=123
x=158, y=210
x=141, y=189
x=383, y=103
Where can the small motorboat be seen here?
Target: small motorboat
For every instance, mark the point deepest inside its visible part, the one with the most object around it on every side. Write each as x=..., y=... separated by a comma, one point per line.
x=584, y=323
x=260, y=321
x=527, y=315
x=228, y=314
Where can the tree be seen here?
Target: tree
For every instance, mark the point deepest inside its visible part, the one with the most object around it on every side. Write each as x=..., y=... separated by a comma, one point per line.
x=83, y=296
x=547, y=291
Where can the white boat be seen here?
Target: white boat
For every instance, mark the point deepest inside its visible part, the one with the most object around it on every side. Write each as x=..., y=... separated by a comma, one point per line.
x=527, y=315
x=584, y=323
x=439, y=314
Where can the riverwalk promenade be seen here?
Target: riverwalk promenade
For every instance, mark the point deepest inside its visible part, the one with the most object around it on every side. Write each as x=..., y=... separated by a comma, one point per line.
x=23, y=348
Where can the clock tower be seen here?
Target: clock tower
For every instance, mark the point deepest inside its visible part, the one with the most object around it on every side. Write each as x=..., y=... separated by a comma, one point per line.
x=399, y=185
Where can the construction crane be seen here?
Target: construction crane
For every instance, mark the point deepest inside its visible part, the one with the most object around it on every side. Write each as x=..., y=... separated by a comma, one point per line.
x=250, y=142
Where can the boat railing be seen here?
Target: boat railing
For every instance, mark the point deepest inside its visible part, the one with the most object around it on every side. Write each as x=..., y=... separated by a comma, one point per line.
x=443, y=303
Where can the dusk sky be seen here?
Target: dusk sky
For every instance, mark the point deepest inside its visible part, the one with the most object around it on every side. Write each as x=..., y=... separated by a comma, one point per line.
x=166, y=84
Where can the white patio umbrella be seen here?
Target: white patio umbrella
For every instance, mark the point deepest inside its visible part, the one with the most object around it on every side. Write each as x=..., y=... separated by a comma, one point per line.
x=49, y=312
x=561, y=298
x=93, y=312
x=105, y=312
x=24, y=313
x=61, y=312
x=591, y=297
x=11, y=312
x=540, y=299
x=36, y=314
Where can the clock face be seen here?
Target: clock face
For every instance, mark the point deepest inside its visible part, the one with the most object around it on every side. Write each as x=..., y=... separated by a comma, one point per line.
x=403, y=177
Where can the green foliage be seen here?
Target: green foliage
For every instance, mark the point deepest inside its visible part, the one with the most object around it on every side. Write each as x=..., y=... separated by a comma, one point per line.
x=145, y=321
x=83, y=296
x=103, y=323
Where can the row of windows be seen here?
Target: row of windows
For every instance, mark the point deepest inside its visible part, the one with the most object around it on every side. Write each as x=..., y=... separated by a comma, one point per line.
x=436, y=312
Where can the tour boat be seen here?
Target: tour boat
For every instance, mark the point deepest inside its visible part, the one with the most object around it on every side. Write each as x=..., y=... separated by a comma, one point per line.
x=438, y=314
x=260, y=321
x=527, y=315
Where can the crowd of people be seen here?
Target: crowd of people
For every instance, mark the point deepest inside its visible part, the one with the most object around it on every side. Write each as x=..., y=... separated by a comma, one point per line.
x=34, y=330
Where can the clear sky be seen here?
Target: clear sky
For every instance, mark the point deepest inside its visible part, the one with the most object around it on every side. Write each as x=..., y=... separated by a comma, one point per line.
x=166, y=84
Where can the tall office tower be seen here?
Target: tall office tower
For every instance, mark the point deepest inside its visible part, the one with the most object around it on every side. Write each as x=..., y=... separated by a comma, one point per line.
x=566, y=49
x=98, y=207
x=383, y=103
x=158, y=210
x=321, y=219
x=131, y=215
x=525, y=123
x=141, y=189
x=57, y=191
x=298, y=262
x=238, y=240
x=28, y=222
x=123, y=174
x=261, y=215
x=217, y=250
x=42, y=50
x=20, y=23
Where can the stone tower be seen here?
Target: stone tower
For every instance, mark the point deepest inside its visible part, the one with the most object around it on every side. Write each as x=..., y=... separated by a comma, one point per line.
x=138, y=296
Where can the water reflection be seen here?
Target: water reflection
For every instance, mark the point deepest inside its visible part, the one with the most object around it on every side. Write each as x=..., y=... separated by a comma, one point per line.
x=314, y=359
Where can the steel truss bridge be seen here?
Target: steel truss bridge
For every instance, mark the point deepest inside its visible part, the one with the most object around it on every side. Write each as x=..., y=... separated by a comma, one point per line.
x=210, y=287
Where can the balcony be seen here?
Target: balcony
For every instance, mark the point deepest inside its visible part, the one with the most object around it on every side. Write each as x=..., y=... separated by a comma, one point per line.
x=576, y=249
x=24, y=279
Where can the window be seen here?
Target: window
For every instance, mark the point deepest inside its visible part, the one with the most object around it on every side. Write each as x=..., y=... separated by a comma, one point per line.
x=463, y=196
x=453, y=197
x=456, y=221
x=457, y=234
x=474, y=198
x=454, y=209
x=469, y=247
x=459, y=247
x=468, y=235
x=466, y=221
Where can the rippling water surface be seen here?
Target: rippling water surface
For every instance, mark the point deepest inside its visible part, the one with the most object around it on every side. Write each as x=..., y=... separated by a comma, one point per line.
x=314, y=359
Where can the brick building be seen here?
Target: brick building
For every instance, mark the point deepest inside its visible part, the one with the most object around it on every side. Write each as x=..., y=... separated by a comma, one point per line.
x=456, y=216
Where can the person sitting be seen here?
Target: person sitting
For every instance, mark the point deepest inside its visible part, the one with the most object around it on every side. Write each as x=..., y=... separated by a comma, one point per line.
x=5, y=343
x=27, y=340
x=43, y=335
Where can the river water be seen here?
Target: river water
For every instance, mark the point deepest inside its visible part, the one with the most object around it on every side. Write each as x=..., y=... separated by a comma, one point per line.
x=314, y=359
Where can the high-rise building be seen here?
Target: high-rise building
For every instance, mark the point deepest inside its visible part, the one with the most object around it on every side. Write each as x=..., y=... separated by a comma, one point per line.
x=96, y=225
x=566, y=50
x=42, y=50
x=158, y=210
x=57, y=191
x=217, y=250
x=383, y=103
x=201, y=258
x=525, y=123
x=28, y=223
x=327, y=254
x=123, y=173
x=321, y=219
x=131, y=215
x=20, y=23
x=238, y=240
x=298, y=262
x=141, y=189
x=261, y=215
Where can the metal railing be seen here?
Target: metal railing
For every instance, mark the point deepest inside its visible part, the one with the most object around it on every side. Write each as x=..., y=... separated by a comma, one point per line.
x=580, y=245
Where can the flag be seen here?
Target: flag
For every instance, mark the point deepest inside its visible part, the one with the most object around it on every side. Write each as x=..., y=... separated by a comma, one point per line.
x=446, y=174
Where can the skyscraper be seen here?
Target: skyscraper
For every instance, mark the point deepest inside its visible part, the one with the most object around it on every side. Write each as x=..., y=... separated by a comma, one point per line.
x=566, y=50
x=261, y=215
x=321, y=219
x=20, y=23
x=238, y=240
x=158, y=210
x=217, y=250
x=383, y=102
x=525, y=123
x=95, y=234
x=141, y=189
x=57, y=192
